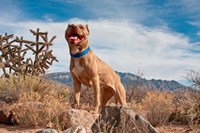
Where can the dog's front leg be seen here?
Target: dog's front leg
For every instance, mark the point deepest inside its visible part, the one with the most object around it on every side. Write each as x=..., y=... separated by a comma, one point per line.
x=77, y=93
x=95, y=82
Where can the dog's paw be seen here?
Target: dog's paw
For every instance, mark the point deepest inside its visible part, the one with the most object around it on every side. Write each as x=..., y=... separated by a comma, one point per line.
x=93, y=112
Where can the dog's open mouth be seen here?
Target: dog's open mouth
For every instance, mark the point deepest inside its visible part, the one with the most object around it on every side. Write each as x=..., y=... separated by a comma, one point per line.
x=75, y=38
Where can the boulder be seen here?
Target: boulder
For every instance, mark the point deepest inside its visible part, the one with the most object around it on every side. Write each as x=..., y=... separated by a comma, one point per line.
x=48, y=130
x=121, y=119
x=75, y=129
x=74, y=118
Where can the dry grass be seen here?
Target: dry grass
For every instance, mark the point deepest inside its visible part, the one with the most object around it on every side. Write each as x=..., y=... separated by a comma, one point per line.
x=12, y=88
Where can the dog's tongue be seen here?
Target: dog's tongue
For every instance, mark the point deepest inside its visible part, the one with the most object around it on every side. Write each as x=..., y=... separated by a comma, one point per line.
x=75, y=39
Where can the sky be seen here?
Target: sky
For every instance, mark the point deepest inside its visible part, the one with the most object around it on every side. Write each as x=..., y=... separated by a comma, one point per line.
x=160, y=38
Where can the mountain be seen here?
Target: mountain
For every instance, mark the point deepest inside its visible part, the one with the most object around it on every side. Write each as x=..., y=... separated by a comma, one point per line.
x=128, y=80
x=131, y=80
x=61, y=77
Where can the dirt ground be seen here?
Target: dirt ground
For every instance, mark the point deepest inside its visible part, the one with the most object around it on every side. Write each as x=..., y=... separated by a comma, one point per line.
x=17, y=129
x=175, y=129
x=163, y=129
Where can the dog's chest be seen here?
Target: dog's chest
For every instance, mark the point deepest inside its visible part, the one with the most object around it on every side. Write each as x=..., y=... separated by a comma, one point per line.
x=78, y=68
x=81, y=73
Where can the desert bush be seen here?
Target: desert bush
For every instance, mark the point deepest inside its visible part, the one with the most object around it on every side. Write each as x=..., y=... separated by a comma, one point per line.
x=158, y=106
x=135, y=97
x=33, y=109
x=35, y=101
x=136, y=94
x=193, y=111
x=187, y=108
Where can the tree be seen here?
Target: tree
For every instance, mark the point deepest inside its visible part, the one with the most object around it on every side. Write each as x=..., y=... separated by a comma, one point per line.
x=194, y=78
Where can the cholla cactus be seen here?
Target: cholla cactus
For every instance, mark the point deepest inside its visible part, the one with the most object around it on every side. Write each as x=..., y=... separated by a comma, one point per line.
x=13, y=54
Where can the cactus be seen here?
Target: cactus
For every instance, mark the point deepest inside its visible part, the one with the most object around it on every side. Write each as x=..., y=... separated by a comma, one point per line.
x=13, y=54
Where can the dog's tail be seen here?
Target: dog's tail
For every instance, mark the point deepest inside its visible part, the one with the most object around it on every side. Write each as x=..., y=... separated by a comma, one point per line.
x=120, y=94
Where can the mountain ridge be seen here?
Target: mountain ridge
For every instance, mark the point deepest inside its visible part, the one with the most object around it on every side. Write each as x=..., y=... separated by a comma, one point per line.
x=128, y=80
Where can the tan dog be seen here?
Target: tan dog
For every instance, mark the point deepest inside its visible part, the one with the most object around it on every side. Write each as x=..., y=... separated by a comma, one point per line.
x=86, y=68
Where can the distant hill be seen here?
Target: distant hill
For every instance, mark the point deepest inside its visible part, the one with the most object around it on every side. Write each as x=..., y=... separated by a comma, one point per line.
x=128, y=79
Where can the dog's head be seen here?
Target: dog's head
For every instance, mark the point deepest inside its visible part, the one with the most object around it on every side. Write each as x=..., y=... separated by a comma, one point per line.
x=76, y=34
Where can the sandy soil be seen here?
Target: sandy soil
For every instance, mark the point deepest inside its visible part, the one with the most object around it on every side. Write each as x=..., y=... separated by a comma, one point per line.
x=163, y=129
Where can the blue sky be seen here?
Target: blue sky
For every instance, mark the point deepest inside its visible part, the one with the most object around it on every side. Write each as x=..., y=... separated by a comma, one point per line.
x=161, y=38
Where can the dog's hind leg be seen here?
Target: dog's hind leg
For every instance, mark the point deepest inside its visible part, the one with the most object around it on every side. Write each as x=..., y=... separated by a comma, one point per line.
x=107, y=94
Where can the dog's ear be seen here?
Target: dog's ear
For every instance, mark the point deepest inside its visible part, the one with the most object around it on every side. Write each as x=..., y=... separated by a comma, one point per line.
x=66, y=31
x=66, y=34
x=87, y=28
x=69, y=25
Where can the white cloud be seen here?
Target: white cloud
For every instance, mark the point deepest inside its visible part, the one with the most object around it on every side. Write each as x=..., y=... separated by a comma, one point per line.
x=158, y=52
x=125, y=46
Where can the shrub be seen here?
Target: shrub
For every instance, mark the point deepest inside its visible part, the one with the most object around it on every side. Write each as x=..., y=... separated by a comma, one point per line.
x=159, y=107
x=39, y=111
x=187, y=108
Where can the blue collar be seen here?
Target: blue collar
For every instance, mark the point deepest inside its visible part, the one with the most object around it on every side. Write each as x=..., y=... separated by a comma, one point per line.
x=80, y=54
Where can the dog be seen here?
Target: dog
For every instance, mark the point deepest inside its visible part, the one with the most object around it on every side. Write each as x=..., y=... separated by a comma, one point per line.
x=86, y=68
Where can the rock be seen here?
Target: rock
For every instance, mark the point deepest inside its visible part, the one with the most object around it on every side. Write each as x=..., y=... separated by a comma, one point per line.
x=4, y=117
x=49, y=130
x=75, y=129
x=6, y=114
x=3, y=113
x=73, y=118
x=121, y=119
x=112, y=119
